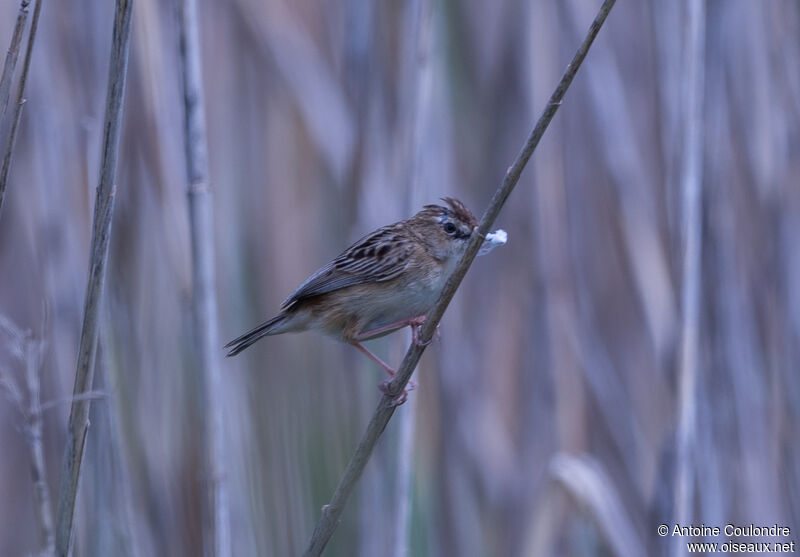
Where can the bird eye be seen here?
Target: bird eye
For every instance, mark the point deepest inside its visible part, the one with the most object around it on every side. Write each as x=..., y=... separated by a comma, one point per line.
x=450, y=228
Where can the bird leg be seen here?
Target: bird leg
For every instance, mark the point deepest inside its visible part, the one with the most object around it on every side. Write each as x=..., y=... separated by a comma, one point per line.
x=384, y=385
x=414, y=322
x=374, y=358
x=415, y=325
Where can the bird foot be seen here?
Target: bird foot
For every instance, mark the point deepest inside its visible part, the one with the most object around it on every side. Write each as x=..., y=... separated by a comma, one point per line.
x=383, y=387
x=415, y=324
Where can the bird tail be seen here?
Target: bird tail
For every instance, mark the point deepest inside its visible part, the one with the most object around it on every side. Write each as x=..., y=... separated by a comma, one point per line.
x=271, y=327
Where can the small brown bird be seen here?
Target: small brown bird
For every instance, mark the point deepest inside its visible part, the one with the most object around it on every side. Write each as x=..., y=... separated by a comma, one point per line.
x=387, y=280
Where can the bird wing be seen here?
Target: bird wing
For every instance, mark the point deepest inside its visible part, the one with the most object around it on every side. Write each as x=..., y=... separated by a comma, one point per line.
x=377, y=257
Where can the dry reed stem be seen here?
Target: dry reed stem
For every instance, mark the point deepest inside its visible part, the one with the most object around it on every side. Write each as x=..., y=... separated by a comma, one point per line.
x=589, y=485
x=12, y=54
x=101, y=232
x=29, y=351
x=23, y=79
x=41, y=492
x=419, y=75
x=201, y=220
x=691, y=181
x=330, y=513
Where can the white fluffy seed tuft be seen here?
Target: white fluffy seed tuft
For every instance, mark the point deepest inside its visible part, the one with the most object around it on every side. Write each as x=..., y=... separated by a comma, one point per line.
x=493, y=239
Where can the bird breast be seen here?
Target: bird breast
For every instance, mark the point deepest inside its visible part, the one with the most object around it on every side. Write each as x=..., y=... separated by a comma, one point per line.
x=408, y=296
x=349, y=311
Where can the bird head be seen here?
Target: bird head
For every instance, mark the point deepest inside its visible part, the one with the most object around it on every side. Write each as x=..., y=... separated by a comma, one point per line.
x=445, y=229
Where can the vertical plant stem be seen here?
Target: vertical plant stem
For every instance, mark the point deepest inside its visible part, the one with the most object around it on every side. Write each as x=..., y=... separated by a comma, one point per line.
x=405, y=479
x=29, y=351
x=11, y=57
x=101, y=232
x=691, y=182
x=201, y=221
x=5, y=166
x=41, y=495
x=419, y=71
x=327, y=523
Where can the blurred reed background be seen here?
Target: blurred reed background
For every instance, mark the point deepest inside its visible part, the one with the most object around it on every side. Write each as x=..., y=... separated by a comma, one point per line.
x=545, y=418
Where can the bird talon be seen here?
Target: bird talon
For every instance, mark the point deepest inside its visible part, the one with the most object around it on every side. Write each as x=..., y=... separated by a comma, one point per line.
x=383, y=387
x=418, y=342
x=398, y=400
x=415, y=327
